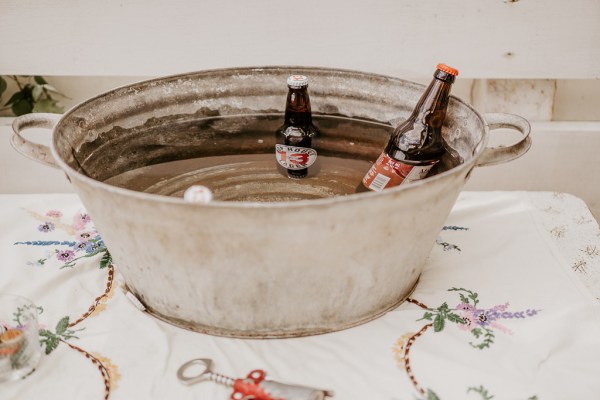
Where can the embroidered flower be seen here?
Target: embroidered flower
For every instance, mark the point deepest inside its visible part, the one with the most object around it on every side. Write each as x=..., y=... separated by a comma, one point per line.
x=65, y=255
x=85, y=236
x=54, y=214
x=465, y=307
x=80, y=220
x=46, y=227
x=80, y=246
x=92, y=247
x=469, y=321
x=482, y=318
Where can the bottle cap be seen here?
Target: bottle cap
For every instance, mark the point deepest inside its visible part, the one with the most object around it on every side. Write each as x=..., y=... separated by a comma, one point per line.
x=198, y=194
x=447, y=69
x=297, y=81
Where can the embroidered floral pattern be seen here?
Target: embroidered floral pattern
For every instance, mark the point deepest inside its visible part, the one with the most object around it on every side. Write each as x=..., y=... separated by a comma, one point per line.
x=46, y=227
x=449, y=246
x=469, y=316
x=87, y=243
x=112, y=369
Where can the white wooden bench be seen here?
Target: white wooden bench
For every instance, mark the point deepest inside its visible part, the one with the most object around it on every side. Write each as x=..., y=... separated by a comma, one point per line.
x=514, y=56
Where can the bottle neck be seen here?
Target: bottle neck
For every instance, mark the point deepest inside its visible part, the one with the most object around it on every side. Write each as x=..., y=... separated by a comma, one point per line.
x=431, y=107
x=419, y=138
x=297, y=108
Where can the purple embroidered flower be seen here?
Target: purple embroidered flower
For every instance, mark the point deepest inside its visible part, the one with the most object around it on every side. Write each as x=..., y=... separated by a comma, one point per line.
x=85, y=236
x=80, y=246
x=482, y=318
x=65, y=255
x=46, y=227
x=54, y=214
x=93, y=247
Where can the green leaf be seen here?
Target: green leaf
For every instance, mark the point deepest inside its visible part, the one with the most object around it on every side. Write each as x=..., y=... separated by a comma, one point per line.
x=15, y=97
x=3, y=85
x=51, y=89
x=455, y=318
x=430, y=395
x=47, y=106
x=62, y=326
x=443, y=309
x=37, y=92
x=106, y=260
x=39, y=80
x=438, y=323
x=22, y=106
x=51, y=344
x=49, y=339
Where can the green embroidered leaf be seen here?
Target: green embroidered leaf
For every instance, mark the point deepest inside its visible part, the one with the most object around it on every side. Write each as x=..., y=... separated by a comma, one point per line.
x=430, y=395
x=438, y=323
x=455, y=318
x=426, y=316
x=443, y=309
x=476, y=332
x=485, y=395
x=488, y=339
x=48, y=339
x=106, y=260
x=62, y=326
x=471, y=295
x=474, y=297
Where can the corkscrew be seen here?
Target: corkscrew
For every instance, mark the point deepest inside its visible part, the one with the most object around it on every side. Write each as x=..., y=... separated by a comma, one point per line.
x=253, y=387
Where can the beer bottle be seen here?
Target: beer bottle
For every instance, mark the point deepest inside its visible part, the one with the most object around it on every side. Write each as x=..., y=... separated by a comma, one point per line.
x=416, y=145
x=294, y=138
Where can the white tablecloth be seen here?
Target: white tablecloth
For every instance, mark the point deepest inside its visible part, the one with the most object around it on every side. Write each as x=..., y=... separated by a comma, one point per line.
x=520, y=269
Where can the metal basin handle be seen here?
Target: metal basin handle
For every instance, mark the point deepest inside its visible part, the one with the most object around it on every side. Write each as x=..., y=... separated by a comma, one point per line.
x=26, y=147
x=502, y=154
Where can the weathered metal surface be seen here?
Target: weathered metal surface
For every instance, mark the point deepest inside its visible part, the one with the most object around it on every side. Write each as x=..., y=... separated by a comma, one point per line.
x=255, y=269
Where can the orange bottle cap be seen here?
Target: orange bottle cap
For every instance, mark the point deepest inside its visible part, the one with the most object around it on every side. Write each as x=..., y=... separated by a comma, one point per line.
x=447, y=69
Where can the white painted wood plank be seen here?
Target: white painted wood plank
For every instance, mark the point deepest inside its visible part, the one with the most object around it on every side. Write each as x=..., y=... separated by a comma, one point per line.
x=483, y=38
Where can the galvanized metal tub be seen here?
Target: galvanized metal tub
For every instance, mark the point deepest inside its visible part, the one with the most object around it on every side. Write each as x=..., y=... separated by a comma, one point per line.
x=250, y=269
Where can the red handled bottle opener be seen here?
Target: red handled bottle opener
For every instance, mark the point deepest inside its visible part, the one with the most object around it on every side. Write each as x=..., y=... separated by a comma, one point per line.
x=253, y=387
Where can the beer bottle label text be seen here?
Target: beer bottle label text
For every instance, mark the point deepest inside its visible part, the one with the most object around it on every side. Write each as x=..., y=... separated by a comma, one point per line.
x=292, y=157
x=387, y=172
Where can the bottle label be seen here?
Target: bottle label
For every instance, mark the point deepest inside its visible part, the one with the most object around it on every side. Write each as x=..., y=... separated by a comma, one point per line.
x=292, y=157
x=387, y=172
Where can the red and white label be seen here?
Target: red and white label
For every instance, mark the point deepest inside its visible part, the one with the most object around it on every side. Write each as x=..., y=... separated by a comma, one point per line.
x=292, y=157
x=387, y=172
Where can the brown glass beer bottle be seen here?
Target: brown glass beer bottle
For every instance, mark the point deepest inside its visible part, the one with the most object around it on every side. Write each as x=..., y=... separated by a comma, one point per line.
x=294, y=138
x=416, y=145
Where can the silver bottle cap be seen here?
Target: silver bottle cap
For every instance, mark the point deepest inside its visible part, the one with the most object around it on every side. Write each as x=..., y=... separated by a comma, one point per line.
x=297, y=81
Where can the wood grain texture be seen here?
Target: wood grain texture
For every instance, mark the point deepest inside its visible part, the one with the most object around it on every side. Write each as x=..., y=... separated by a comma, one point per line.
x=483, y=38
